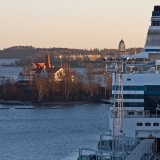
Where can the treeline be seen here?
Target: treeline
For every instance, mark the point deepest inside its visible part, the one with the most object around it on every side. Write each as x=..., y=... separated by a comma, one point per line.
x=72, y=87
x=27, y=54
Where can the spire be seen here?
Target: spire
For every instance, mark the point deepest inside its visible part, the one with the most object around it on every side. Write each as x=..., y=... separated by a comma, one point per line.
x=47, y=63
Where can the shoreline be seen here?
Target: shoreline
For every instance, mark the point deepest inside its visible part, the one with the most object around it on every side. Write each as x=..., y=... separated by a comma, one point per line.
x=45, y=104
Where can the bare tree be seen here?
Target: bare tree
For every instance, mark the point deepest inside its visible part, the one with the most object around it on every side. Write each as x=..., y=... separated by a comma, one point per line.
x=108, y=85
x=98, y=81
x=4, y=85
x=80, y=85
x=40, y=84
x=89, y=80
x=51, y=85
x=27, y=71
x=68, y=81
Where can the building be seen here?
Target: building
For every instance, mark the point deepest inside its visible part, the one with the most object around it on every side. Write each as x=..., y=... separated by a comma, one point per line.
x=43, y=65
x=121, y=47
x=41, y=69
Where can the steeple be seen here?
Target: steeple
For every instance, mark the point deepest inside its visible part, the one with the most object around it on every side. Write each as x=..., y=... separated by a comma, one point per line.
x=47, y=63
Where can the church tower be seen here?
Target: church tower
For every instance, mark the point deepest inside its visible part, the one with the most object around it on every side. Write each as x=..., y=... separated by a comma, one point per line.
x=47, y=63
x=121, y=47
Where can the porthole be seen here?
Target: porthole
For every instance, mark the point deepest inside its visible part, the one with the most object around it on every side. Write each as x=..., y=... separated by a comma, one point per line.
x=139, y=124
x=156, y=124
x=147, y=124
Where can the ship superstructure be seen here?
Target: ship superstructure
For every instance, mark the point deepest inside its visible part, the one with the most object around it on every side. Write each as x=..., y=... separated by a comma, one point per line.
x=140, y=101
x=141, y=87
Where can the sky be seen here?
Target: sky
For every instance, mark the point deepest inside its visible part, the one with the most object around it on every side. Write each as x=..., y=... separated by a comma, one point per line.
x=83, y=24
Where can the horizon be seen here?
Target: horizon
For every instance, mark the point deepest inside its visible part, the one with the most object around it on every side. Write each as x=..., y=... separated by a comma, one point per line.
x=71, y=48
x=73, y=24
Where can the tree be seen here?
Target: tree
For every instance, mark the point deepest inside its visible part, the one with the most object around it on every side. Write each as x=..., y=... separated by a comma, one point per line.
x=108, y=84
x=80, y=85
x=68, y=81
x=51, y=85
x=4, y=84
x=40, y=84
x=89, y=80
x=98, y=81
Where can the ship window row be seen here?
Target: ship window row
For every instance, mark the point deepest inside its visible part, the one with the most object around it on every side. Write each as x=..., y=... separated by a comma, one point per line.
x=155, y=23
x=151, y=101
x=147, y=124
x=152, y=88
x=152, y=97
x=131, y=104
x=133, y=96
x=154, y=13
x=126, y=88
x=132, y=87
x=153, y=39
x=139, y=88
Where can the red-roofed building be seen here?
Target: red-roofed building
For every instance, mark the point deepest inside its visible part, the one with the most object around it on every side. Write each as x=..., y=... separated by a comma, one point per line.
x=42, y=70
x=45, y=72
x=45, y=69
x=47, y=63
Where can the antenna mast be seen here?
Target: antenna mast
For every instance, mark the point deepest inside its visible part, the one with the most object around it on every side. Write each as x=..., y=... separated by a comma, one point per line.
x=118, y=113
x=118, y=135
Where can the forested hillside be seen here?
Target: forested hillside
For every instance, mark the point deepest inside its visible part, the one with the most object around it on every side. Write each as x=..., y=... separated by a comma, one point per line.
x=28, y=54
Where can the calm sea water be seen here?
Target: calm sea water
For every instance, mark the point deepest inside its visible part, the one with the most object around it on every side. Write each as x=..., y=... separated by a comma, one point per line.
x=9, y=71
x=50, y=134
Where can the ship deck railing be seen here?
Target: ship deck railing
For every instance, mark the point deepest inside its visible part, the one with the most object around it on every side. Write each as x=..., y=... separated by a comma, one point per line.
x=145, y=150
x=136, y=114
x=139, y=116
x=142, y=72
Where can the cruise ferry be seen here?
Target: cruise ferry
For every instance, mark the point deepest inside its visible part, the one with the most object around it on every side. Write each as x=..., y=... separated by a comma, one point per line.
x=140, y=102
x=141, y=87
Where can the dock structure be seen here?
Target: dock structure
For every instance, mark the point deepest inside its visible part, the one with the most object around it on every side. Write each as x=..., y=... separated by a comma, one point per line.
x=145, y=150
x=15, y=102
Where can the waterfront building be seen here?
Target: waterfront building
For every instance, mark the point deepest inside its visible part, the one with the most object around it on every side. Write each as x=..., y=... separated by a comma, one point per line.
x=121, y=47
x=41, y=69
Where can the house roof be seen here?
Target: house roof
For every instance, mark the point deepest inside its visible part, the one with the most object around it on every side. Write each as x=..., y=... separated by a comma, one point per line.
x=38, y=65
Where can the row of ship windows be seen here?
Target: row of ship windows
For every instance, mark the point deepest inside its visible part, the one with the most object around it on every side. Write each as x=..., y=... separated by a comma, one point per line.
x=155, y=23
x=146, y=88
x=156, y=13
x=147, y=124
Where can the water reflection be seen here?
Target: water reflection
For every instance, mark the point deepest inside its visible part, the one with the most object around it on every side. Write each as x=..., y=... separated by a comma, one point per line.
x=51, y=134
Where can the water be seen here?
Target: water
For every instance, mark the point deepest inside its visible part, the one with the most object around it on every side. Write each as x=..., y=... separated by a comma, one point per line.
x=51, y=134
x=7, y=61
x=9, y=71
